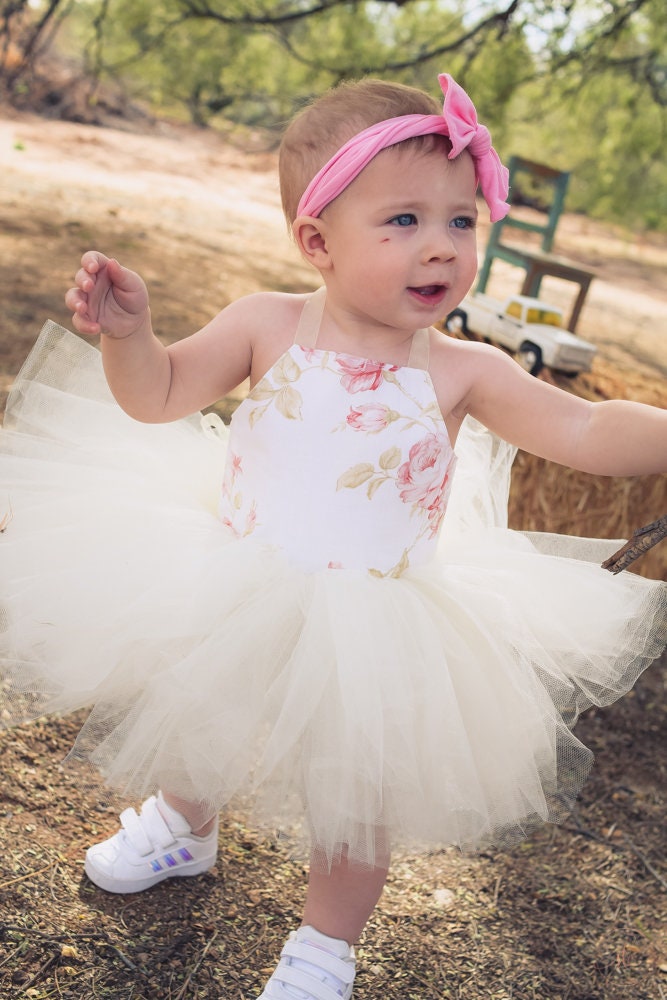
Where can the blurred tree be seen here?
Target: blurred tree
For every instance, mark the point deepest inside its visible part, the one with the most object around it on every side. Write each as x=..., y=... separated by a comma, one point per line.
x=544, y=73
x=337, y=39
x=603, y=115
x=26, y=31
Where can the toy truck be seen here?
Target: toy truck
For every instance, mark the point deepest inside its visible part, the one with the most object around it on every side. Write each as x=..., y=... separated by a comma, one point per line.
x=531, y=329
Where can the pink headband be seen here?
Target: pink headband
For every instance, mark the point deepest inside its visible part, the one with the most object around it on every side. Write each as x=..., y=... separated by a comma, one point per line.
x=458, y=121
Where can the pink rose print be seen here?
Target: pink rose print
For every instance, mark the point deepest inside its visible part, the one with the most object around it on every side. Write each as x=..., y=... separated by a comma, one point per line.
x=371, y=417
x=250, y=523
x=231, y=505
x=359, y=374
x=423, y=478
x=232, y=472
x=251, y=519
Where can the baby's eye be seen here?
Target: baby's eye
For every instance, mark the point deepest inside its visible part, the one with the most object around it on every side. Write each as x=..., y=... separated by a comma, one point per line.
x=464, y=222
x=404, y=219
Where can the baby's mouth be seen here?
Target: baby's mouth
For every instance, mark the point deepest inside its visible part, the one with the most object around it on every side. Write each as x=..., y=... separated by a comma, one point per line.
x=431, y=293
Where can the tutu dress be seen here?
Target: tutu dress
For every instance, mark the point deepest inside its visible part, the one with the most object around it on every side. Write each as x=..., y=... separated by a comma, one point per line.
x=320, y=613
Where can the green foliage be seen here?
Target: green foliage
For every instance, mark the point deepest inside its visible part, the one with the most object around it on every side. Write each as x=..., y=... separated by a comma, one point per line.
x=607, y=124
x=579, y=84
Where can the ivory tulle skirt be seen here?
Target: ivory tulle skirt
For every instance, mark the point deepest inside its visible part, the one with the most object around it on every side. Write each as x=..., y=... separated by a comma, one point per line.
x=438, y=706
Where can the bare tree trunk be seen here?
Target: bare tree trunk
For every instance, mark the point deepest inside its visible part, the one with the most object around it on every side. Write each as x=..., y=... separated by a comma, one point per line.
x=22, y=35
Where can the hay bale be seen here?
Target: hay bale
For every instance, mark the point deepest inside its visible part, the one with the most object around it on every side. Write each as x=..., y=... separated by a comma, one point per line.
x=548, y=497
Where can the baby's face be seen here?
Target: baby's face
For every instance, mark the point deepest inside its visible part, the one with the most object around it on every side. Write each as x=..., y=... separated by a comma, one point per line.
x=401, y=237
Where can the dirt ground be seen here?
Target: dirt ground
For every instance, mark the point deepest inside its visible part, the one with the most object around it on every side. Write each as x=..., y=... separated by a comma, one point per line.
x=577, y=912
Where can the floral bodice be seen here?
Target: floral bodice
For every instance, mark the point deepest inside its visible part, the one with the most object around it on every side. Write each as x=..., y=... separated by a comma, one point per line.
x=341, y=461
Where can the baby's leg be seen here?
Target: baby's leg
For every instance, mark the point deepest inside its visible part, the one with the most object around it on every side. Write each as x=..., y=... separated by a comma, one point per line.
x=197, y=814
x=318, y=959
x=340, y=901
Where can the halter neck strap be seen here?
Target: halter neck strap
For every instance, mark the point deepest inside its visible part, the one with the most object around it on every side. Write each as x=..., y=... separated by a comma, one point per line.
x=420, y=350
x=308, y=329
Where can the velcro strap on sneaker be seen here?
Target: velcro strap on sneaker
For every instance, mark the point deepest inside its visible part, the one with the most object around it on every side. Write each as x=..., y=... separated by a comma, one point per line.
x=148, y=831
x=130, y=822
x=324, y=960
x=315, y=988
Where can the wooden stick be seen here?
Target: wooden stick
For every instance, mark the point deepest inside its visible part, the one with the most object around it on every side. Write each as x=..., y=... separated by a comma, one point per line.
x=642, y=540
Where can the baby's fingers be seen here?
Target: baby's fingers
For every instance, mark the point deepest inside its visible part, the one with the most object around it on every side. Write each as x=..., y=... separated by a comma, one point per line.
x=93, y=261
x=84, y=280
x=77, y=303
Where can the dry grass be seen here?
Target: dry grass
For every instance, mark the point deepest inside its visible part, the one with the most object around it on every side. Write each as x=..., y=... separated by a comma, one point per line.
x=548, y=497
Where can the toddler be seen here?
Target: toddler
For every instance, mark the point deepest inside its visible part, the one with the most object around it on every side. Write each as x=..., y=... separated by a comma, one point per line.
x=323, y=610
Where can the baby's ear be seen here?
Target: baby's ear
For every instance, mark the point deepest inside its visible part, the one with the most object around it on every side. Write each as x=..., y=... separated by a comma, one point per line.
x=310, y=237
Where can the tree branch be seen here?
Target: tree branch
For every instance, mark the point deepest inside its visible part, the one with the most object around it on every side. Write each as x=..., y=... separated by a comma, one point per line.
x=476, y=34
x=197, y=10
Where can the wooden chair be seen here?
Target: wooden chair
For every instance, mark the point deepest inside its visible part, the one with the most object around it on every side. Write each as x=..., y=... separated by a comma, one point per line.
x=537, y=196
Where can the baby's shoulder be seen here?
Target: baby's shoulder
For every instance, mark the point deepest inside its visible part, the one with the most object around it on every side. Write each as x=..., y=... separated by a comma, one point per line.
x=448, y=353
x=450, y=345
x=262, y=317
x=457, y=366
x=262, y=309
x=270, y=320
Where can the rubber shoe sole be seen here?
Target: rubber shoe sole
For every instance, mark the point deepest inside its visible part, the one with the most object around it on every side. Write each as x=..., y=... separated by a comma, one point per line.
x=111, y=883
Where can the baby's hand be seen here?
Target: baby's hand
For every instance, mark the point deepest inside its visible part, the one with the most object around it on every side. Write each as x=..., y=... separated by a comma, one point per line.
x=107, y=298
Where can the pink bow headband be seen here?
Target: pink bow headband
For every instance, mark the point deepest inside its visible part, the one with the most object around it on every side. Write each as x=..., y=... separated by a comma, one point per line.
x=458, y=121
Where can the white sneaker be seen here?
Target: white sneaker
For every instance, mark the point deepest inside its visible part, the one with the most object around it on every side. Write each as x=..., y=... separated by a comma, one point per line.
x=147, y=850
x=312, y=967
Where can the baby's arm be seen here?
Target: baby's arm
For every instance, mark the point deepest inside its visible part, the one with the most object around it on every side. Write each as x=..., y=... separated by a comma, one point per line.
x=622, y=438
x=610, y=438
x=154, y=383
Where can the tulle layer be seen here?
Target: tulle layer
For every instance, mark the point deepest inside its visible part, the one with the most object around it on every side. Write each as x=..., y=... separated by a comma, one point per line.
x=438, y=705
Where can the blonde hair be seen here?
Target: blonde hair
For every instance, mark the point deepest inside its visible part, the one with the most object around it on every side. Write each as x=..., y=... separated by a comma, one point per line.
x=321, y=128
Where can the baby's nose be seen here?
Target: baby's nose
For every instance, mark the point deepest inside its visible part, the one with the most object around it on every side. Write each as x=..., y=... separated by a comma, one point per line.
x=438, y=245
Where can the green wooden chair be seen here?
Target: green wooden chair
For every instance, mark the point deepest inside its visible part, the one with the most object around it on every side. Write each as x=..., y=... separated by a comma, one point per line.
x=540, y=190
